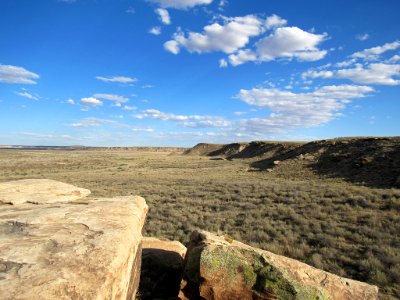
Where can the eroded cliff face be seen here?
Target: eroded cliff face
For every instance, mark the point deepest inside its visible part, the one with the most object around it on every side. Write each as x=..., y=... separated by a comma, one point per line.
x=55, y=243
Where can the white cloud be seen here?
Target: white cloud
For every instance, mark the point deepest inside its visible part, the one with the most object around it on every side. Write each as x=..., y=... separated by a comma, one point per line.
x=118, y=79
x=232, y=35
x=71, y=101
x=163, y=15
x=378, y=73
x=143, y=129
x=291, y=42
x=14, y=74
x=283, y=42
x=317, y=74
x=206, y=124
x=346, y=63
x=92, y=122
x=274, y=21
x=394, y=59
x=373, y=53
x=241, y=57
x=112, y=97
x=130, y=10
x=127, y=107
x=27, y=95
x=222, y=4
x=223, y=63
x=362, y=37
x=91, y=101
x=180, y=4
x=172, y=46
x=194, y=121
x=239, y=113
x=298, y=110
x=155, y=30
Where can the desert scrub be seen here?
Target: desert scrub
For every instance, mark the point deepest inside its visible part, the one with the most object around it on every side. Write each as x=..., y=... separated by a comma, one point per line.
x=331, y=224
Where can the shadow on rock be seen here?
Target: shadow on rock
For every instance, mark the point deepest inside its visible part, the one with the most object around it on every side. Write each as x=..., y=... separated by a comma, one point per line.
x=161, y=274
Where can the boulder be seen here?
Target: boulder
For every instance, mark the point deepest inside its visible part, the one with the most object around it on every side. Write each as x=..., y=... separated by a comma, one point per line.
x=39, y=191
x=89, y=249
x=162, y=267
x=220, y=268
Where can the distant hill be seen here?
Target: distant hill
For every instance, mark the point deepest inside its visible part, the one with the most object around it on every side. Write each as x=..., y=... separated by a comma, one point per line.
x=373, y=161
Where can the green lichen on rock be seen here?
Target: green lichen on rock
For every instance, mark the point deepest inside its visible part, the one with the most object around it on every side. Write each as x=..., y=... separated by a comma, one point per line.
x=256, y=272
x=230, y=262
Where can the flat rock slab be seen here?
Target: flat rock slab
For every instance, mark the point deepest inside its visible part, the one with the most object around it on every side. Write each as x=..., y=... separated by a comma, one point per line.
x=218, y=267
x=39, y=191
x=70, y=250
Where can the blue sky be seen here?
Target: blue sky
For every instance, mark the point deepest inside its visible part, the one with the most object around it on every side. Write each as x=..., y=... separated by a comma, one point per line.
x=179, y=72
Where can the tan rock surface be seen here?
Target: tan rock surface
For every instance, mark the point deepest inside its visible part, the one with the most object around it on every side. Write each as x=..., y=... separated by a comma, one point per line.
x=39, y=191
x=172, y=246
x=90, y=250
x=221, y=268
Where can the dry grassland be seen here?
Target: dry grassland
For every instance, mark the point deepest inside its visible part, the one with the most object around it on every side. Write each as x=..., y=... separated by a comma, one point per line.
x=350, y=230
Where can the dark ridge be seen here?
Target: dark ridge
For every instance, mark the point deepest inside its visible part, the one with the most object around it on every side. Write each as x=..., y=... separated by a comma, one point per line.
x=370, y=161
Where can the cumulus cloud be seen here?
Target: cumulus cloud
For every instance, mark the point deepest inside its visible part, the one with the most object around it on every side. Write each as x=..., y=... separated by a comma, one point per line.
x=27, y=95
x=298, y=110
x=291, y=42
x=172, y=46
x=379, y=73
x=91, y=102
x=14, y=74
x=112, y=97
x=71, y=101
x=286, y=43
x=232, y=35
x=194, y=121
x=274, y=21
x=163, y=15
x=241, y=57
x=376, y=73
x=228, y=37
x=180, y=4
x=155, y=30
x=117, y=79
x=317, y=74
x=374, y=52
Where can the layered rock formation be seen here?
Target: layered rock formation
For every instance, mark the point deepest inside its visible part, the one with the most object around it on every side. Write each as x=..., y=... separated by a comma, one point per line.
x=66, y=247
x=371, y=161
x=221, y=268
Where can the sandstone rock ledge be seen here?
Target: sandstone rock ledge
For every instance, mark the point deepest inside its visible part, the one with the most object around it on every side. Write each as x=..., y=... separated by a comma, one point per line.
x=220, y=268
x=86, y=249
